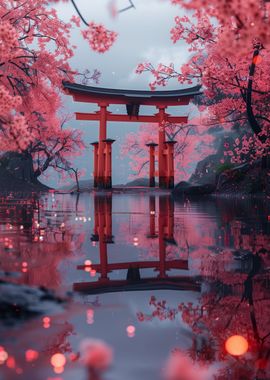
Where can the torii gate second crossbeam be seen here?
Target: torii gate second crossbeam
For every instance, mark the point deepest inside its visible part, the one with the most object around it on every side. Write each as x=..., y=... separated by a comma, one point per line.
x=133, y=99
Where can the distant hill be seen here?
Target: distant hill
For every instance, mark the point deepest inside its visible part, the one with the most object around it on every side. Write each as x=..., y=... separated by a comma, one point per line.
x=85, y=185
x=138, y=182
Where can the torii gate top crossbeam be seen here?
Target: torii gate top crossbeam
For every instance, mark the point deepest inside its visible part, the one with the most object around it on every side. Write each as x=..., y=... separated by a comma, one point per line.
x=89, y=94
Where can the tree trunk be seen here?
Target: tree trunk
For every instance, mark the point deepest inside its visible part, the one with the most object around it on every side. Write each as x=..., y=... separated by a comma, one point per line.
x=250, y=114
x=77, y=181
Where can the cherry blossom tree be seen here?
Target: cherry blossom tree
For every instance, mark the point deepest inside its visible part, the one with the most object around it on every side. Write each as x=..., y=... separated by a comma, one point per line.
x=191, y=146
x=35, y=50
x=229, y=56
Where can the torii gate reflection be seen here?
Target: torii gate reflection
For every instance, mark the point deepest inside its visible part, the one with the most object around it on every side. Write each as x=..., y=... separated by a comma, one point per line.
x=165, y=234
x=132, y=99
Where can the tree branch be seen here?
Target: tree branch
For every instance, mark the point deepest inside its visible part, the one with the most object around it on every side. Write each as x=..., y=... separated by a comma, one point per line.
x=127, y=8
x=79, y=13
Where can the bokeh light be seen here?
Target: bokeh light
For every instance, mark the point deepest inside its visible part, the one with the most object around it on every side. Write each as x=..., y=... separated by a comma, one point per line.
x=236, y=345
x=3, y=355
x=58, y=361
x=31, y=355
x=130, y=331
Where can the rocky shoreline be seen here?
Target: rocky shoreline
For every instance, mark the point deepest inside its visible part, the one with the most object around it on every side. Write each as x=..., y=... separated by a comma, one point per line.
x=243, y=180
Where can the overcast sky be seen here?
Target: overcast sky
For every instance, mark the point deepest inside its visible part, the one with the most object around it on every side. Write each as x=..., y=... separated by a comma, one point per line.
x=143, y=35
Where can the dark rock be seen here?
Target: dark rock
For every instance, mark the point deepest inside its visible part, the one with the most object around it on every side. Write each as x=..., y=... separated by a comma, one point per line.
x=228, y=178
x=17, y=174
x=19, y=165
x=206, y=171
x=187, y=189
x=247, y=178
x=21, y=302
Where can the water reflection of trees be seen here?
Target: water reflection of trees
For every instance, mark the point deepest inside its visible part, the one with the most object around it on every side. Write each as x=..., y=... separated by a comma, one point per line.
x=231, y=255
x=220, y=243
x=35, y=234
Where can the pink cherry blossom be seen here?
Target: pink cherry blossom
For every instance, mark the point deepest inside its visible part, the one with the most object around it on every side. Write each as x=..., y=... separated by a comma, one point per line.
x=180, y=367
x=96, y=354
x=100, y=39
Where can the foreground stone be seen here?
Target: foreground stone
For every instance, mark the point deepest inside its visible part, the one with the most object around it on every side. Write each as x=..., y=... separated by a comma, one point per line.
x=21, y=302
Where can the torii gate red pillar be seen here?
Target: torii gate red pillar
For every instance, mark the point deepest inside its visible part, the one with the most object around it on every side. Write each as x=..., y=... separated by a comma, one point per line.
x=170, y=163
x=161, y=148
x=95, y=171
x=151, y=164
x=101, y=145
x=108, y=163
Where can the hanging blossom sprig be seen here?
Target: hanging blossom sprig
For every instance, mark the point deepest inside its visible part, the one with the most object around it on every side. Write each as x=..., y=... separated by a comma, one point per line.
x=162, y=74
x=100, y=39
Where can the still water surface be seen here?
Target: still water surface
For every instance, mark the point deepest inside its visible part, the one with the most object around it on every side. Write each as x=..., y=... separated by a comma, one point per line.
x=185, y=275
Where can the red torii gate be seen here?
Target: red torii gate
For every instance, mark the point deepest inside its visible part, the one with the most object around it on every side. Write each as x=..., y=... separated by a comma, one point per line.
x=133, y=99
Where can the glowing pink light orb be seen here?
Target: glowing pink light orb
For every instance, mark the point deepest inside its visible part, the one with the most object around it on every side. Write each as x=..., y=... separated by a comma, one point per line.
x=131, y=331
x=3, y=356
x=93, y=272
x=236, y=345
x=31, y=355
x=58, y=360
x=59, y=370
x=46, y=320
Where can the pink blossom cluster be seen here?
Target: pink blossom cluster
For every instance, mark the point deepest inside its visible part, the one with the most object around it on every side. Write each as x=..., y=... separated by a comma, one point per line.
x=221, y=37
x=241, y=21
x=248, y=148
x=162, y=73
x=14, y=126
x=193, y=144
x=34, y=50
x=100, y=39
x=143, y=67
x=180, y=367
x=192, y=32
x=76, y=20
x=16, y=135
x=7, y=102
x=8, y=40
x=161, y=311
x=20, y=132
